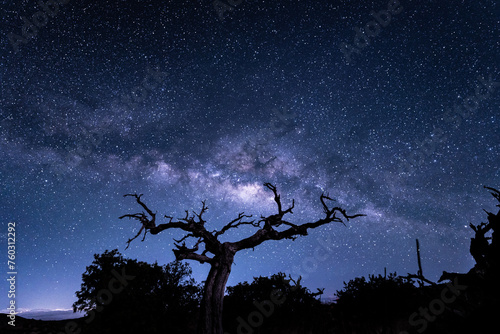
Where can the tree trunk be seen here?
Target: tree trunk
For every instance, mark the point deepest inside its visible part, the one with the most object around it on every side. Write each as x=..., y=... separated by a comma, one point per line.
x=210, y=321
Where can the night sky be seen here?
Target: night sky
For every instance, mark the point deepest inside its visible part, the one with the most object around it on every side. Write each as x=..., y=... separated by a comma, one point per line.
x=393, y=116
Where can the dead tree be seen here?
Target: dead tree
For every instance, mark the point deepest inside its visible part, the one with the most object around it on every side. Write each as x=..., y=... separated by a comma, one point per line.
x=486, y=255
x=220, y=255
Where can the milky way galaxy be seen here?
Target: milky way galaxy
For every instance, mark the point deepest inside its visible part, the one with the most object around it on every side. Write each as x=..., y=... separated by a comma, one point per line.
x=389, y=107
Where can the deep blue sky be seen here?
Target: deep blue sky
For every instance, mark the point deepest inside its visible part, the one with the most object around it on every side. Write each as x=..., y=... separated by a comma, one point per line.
x=264, y=95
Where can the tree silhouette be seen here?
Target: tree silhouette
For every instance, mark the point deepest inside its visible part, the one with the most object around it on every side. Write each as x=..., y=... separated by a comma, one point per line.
x=485, y=253
x=481, y=295
x=159, y=292
x=220, y=255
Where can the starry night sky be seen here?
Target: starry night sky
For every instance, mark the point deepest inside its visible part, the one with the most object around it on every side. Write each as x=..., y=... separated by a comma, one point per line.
x=167, y=99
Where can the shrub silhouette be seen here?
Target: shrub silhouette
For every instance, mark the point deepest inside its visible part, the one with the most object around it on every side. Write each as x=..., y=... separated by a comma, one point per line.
x=300, y=308
x=376, y=302
x=156, y=299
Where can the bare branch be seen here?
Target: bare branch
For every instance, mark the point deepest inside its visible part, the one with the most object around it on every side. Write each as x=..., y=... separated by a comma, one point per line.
x=179, y=255
x=325, y=206
x=320, y=292
x=189, y=235
x=182, y=252
x=235, y=223
x=331, y=213
x=480, y=229
x=132, y=239
x=186, y=224
x=495, y=193
x=138, y=198
x=204, y=208
x=277, y=199
x=288, y=224
x=183, y=248
x=269, y=233
x=295, y=283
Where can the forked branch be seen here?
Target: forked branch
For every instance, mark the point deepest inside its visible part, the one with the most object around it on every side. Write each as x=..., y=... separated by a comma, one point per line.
x=277, y=199
x=238, y=221
x=146, y=222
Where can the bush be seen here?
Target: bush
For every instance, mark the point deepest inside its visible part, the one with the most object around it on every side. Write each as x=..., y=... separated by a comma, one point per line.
x=156, y=297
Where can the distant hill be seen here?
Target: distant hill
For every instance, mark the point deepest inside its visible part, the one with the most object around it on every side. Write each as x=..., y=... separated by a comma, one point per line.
x=32, y=326
x=44, y=314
